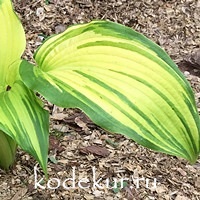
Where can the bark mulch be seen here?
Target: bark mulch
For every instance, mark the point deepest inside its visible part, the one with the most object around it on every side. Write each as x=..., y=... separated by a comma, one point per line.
x=78, y=144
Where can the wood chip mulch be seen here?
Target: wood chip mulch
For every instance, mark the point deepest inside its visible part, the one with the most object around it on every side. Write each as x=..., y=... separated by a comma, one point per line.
x=79, y=146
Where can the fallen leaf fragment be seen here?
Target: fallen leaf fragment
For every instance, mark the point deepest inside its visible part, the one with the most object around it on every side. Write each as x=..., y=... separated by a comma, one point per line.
x=96, y=150
x=181, y=171
x=81, y=123
x=54, y=144
x=60, y=28
x=40, y=13
x=61, y=128
x=98, y=193
x=161, y=189
x=192, y=61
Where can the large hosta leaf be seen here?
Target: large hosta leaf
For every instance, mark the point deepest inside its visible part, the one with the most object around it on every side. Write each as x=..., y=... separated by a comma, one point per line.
x=12, y=39
x=23, y=118
x=124, y=82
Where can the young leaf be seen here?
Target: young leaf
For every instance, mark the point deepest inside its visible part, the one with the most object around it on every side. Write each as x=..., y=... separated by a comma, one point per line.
x=21, y=115
x=12, y=39
x=23, y=118
x=7, y=150
x=123, y=81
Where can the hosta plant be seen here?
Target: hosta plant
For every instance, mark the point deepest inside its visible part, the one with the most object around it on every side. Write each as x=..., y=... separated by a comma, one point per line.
x=123, y=81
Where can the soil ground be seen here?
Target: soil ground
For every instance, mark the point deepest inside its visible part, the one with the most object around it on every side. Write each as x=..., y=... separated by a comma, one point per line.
x=76, y=142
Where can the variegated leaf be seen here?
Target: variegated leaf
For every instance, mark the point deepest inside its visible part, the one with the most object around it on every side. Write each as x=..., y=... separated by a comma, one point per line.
x=23, y=118
x=123, y=81
x=12, y=39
